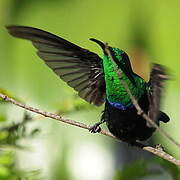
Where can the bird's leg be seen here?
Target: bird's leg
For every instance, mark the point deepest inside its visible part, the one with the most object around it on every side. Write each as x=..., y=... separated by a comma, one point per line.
x=96, y=127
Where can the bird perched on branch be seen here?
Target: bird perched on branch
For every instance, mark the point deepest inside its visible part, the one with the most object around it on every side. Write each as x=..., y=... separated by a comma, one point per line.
x=97, y=82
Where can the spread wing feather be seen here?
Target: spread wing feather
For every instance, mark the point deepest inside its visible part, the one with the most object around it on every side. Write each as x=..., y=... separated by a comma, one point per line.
x=79, y=67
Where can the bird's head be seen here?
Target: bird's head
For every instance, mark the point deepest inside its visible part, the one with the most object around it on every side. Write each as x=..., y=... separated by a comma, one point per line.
x=120, y=58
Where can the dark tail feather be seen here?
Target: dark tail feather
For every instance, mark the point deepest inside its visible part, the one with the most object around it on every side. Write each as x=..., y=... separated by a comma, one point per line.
x=163, y=117
x=156, y=85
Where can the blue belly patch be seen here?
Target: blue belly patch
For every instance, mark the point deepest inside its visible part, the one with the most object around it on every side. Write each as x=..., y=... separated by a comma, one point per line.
x=120, y=106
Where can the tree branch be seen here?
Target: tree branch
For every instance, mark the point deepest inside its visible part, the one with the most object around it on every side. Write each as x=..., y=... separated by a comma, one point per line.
x=156, y=151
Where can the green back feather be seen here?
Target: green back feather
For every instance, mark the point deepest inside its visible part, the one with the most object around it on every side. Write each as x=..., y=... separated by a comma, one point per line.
x=115, y=91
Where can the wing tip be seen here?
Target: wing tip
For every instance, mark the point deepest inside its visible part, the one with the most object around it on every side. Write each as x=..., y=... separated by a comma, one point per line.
x=162, y=71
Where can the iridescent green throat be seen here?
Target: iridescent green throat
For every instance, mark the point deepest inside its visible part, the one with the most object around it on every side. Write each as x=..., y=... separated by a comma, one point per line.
x=115, y=91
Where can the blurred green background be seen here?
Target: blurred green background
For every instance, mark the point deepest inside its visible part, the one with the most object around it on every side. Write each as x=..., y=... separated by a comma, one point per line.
x=149, y=31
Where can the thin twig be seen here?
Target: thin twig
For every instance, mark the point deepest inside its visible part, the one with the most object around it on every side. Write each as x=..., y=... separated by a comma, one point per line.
x=155, y=151
x=135, y=103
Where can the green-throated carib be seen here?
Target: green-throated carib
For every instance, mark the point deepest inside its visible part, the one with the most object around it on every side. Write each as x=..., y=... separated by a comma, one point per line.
x=97, y=82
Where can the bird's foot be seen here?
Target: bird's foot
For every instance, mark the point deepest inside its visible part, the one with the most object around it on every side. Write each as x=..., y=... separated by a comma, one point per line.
x=159, y=147
x=95, y=128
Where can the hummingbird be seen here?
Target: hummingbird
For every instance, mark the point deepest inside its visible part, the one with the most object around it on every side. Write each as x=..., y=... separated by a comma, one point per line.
x=96, y=81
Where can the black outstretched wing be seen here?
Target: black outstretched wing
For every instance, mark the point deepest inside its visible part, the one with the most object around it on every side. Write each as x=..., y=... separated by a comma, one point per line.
x=79, y=67
x=158, y=77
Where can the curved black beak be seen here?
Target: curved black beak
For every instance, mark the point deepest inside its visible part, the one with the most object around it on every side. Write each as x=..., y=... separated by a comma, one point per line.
x=101, y=44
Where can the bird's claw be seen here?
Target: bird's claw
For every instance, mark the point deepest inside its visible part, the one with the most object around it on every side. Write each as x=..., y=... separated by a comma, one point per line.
x=95, y=128
x=159, y=147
